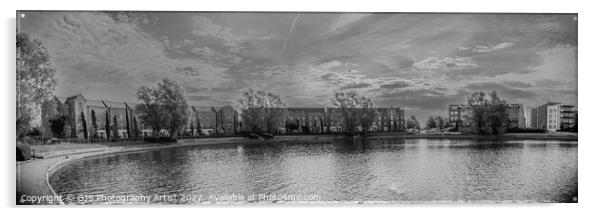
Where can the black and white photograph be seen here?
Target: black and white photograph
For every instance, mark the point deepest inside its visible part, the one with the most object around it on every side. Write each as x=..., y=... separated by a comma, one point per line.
x=310, y=108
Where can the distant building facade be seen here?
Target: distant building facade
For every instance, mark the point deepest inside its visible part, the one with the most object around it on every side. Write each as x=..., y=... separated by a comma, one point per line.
x=530, y=121
x=516, y=116
x=330, y=120
x=460, y=115
x=554, y=116
x=109, y=119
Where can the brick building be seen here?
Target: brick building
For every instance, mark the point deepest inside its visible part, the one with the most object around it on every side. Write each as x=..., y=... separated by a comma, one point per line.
x=330, y=119
x=88, y=119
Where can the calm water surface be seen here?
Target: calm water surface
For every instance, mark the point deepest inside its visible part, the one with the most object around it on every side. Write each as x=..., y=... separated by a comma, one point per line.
x=340, y=170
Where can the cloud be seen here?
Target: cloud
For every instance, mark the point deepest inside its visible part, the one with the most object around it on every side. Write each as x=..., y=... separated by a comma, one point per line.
x=481, y=49
x=435, y=63
x=90, y=48
x=205, y=27
x=395, y=85
x=518, y=84
x=199, y=98
x=188, y=71
x=423, y=99
x=502, y=90
x=412, y=60
x=355, y=86
x=347, y=19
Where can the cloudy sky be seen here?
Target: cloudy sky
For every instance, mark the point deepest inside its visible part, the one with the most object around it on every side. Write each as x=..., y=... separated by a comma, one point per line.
x=420, y=62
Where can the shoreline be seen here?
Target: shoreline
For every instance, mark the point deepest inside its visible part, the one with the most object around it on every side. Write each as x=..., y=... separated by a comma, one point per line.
x=49, y=165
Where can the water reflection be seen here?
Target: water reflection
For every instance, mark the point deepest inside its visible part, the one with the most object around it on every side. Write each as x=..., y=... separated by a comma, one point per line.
x=342, y=169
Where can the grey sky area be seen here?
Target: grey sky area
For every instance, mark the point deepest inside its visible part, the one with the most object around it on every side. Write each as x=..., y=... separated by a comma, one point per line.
x=420, y=62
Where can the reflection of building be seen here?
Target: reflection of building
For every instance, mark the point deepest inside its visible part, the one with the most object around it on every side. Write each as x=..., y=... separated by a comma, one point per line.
x=88, y=119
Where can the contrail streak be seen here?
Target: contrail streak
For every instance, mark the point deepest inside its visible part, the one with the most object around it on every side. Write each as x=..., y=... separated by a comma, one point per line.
x=290, y=31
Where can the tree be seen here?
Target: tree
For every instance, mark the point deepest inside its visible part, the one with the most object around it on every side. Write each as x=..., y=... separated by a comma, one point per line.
x=35, y=79
x=431, y=123
x=94, y=123
x=115, y=127
x=261, y=111
x=84, y=125
x=135, y=129
x=412, y=123
x=199, y=127
x=58, y=125
x=366, y=115
x=127, y=120
x=163, y=107
x=488, y=112
x=108, y=123
x=356, y=110
x=445, y=122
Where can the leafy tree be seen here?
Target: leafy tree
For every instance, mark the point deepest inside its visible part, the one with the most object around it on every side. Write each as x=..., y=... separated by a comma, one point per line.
x=127, y=121
x=199, y=127
x=488, y=112
x=136, y=130
x=366, y=115
x=163, y=107
x=35, y=79
x=431, y=123
x=115, y=127
x=412, y=123
x=84, y=125
x=261, y=111
x=108, y=123
x=444, y=122
x=356, y=110
x=94, y=122
x=58, y=125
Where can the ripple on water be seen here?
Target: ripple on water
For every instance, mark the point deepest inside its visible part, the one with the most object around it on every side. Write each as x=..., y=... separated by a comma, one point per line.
x=368, y=170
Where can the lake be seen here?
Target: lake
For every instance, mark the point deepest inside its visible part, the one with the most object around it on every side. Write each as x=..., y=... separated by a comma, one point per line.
x=364, y=170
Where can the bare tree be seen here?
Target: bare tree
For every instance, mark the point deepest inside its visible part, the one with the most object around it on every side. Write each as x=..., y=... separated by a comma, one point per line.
x=488, y=112
x=356, y=110
x=261, y=111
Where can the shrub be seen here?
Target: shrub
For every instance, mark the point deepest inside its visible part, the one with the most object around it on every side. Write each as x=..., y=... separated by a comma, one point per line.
x=23, y=152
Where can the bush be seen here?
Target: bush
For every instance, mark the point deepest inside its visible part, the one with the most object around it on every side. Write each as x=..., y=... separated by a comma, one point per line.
x=160, y=139
x=23, y=152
